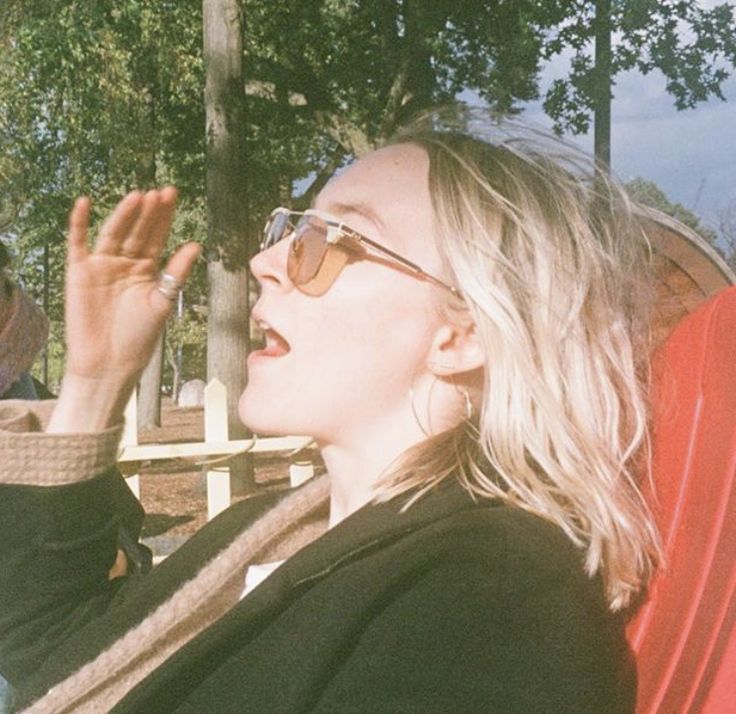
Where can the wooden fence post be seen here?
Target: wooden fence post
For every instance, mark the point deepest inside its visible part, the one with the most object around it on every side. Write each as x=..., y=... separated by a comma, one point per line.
x=215, y=429
x=300, y=471
x=130, y=438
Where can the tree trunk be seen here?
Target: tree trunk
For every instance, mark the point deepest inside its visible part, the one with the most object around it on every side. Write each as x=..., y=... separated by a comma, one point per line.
x=149, y=387
x=149, y=393
x=227, y=274
x=602, y=87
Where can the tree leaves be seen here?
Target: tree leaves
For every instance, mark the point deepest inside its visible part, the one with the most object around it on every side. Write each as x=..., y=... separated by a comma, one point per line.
x=694, y=47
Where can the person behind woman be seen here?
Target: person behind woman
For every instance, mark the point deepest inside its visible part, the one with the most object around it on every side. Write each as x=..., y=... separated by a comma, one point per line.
x=23, y=332
x=459, y=323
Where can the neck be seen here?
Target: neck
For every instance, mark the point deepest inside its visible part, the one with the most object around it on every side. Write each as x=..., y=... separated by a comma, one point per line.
x=355, y=466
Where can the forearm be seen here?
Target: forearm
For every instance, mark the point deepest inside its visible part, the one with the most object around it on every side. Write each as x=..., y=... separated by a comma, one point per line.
x=87, y=405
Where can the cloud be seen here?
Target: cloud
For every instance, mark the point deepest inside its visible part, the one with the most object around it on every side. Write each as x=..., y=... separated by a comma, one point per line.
x=690, y=155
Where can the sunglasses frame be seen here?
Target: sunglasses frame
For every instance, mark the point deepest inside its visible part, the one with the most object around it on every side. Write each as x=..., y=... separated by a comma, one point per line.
x=336, y=230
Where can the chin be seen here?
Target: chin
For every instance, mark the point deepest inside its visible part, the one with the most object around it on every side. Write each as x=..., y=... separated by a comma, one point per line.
x=261, y=417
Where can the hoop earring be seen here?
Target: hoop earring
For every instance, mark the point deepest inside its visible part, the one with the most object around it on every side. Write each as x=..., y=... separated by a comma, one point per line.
x=428, y=431
x=468, y=405
x=466, y=399
x=414, y=412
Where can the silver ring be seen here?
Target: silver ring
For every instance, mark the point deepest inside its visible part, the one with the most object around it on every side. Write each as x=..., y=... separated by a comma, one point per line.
x=168, y=286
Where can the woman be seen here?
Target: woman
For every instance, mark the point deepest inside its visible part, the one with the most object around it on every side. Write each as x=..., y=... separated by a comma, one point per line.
x=457, y=323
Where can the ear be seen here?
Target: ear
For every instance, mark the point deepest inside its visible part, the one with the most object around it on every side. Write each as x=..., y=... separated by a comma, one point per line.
x=455, y=349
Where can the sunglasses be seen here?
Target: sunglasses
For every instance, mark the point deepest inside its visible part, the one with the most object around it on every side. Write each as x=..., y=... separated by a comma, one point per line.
x=321, y=247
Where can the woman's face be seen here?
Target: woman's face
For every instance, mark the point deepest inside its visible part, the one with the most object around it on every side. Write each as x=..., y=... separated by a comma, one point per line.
x=341, y=365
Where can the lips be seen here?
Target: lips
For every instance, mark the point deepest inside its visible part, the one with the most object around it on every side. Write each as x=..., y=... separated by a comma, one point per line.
x=276, y=345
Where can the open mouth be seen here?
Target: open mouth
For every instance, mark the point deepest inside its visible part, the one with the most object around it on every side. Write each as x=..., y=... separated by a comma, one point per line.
x=275, y=344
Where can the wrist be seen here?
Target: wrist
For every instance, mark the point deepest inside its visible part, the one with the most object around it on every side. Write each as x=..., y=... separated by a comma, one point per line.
x=90, y=404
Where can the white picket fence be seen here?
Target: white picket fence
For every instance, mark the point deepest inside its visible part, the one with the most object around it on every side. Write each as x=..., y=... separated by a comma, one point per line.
x=216, y=444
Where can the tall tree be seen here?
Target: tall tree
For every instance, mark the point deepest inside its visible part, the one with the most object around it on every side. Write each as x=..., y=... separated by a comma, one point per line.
x=355, y=71
x=227, y=319
x=648, y=193
x=94, y=90
x=693, y=46
x=95, y=98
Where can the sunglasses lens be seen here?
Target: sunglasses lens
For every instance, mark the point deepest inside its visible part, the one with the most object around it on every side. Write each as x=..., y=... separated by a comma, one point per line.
x=313, y=263
x=307, y=251
x=277, y=228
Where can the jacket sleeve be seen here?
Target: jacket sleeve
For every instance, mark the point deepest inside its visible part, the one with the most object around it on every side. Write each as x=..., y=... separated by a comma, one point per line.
x=517, y=629
x=61, y=505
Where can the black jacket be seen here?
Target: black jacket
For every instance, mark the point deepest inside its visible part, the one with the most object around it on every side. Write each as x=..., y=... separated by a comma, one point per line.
x=451, y=606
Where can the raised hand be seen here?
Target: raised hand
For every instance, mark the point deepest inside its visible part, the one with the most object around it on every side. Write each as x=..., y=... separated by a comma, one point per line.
x=114, y=309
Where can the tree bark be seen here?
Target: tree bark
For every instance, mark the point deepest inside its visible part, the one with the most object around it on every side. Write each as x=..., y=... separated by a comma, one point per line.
x=149, y=390
x=603, y=80
x=227, y=274
x=149, y=387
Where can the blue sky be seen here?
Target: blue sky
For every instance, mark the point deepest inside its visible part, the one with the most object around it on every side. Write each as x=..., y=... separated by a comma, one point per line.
x=690, y=155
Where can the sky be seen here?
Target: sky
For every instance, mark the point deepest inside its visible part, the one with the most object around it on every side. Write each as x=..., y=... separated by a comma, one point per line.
x=690, y=154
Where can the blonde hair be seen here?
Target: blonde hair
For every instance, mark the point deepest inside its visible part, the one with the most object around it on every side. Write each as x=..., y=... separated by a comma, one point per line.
x=551, y=264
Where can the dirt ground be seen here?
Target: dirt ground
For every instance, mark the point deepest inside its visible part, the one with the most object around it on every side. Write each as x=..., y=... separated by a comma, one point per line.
x=173, y=492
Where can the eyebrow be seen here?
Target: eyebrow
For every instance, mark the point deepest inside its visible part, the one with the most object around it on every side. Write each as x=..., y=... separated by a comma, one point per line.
x=361, y=209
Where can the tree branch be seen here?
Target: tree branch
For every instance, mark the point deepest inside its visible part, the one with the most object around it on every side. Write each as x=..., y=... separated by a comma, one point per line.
x=333, y=162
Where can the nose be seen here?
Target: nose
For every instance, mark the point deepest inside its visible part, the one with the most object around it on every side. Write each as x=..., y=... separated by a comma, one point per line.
x=269, y=265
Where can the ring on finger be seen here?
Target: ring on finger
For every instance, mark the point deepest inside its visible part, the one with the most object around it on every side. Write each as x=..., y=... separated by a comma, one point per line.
x=168, y=286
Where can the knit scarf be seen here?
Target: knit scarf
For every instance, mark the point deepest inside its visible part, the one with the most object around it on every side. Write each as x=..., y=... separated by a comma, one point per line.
x=101, y=683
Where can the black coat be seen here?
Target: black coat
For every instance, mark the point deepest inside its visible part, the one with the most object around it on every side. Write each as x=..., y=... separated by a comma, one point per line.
x=451, y=606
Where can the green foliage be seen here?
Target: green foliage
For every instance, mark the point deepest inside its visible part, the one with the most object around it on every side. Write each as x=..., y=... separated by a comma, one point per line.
x=186, y=335
x=694, y=47
x=648, y=193
x=358, y=69
x=96, y=98
x=100, y=96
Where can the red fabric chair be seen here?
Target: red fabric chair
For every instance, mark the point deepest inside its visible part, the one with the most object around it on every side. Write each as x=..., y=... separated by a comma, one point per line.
x=684, y=636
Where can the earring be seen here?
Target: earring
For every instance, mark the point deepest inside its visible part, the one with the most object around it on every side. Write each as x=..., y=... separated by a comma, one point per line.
x=468, y=405
x=428, y=431
x=414, y=412
x=466, y=398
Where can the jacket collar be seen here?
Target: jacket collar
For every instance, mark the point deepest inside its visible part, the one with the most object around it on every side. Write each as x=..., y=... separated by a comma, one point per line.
x=369, y=528
x=374, y=525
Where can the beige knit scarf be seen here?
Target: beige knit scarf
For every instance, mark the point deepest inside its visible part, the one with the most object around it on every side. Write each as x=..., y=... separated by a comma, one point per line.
x=98, y=685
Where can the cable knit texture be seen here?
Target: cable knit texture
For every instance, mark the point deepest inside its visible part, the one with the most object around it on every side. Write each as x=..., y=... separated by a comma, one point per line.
x=33, y=458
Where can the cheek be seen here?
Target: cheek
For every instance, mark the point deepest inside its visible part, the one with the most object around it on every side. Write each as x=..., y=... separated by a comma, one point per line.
x=366, y=358
x=354, y=356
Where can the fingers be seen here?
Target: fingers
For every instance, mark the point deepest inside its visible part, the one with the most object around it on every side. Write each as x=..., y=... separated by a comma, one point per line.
x=147, y=237
x=179, y=266
x=118, y=224
x=78, y=228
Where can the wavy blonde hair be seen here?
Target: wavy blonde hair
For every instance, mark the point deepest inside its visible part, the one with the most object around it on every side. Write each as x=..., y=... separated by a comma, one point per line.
x=552, y=266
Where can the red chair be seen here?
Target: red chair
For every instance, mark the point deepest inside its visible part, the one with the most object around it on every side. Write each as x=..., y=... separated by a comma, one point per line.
x=684, y=636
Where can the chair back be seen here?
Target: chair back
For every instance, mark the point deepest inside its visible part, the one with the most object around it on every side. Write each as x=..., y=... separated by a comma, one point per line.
x=684, y=635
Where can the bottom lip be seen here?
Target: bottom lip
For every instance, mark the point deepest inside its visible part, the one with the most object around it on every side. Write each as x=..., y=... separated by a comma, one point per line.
x=272, y=351
x=266, y=352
